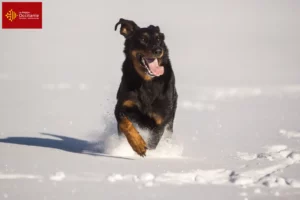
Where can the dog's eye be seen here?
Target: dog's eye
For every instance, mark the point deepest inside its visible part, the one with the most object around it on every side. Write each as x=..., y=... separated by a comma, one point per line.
x=144, y=39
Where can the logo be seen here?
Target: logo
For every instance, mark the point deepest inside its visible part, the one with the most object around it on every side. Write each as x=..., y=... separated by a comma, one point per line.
x=11, y=15
x=21, y=15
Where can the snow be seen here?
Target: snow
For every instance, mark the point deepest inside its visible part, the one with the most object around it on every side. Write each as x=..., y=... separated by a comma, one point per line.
x=290, y=134
x=236, y=132
x=246, y=156
x=58, y=176
x=251, y=178
x=17, y=176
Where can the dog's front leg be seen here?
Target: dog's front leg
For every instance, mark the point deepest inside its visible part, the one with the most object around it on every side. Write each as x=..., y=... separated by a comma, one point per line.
x=126, y=127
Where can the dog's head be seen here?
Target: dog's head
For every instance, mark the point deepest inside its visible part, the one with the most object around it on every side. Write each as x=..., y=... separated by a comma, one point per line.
x=145, y=47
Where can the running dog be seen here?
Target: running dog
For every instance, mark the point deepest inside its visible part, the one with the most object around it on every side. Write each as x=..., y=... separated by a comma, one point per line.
x=147, y=95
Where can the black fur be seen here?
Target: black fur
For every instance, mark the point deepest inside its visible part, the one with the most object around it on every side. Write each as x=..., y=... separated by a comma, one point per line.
x=157, y=95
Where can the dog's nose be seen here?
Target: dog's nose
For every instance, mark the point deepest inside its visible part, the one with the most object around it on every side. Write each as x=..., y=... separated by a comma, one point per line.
x=157, y=51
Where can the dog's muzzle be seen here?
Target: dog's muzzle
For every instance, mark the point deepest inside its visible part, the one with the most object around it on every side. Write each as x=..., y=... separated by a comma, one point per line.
x=151, y=65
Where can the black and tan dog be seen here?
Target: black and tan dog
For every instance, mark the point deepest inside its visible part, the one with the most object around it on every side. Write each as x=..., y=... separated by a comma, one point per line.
x=147, y=94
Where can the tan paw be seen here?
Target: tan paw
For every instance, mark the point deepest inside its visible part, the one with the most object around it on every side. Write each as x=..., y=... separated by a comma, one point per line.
x=138, y=144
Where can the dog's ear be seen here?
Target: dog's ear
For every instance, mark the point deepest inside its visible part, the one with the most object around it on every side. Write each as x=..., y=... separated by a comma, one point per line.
x=155, y=28
x=128, y=27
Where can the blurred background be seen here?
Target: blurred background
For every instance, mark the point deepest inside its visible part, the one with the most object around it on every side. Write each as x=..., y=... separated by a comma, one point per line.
x=211, y=42
x=62, y=78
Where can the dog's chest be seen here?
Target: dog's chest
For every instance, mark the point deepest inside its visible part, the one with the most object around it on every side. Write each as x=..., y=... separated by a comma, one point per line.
x=147, y=95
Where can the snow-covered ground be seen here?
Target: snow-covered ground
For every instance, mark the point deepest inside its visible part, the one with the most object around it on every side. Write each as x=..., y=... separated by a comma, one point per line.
x=236, y=133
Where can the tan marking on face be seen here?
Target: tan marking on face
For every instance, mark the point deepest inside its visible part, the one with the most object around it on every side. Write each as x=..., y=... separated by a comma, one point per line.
x=129, y=103
x=138, y=67
x=162, y=54
x=159, y=59
x=146, y=34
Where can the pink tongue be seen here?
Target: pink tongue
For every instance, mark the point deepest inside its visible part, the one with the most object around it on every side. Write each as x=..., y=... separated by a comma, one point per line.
x=155, y=68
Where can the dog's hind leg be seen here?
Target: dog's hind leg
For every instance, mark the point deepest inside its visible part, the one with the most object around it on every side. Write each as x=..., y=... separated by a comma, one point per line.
x=170, y=127
x=155, y=137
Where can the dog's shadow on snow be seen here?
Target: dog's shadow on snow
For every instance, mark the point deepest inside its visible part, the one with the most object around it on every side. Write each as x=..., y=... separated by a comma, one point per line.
x=69, y=144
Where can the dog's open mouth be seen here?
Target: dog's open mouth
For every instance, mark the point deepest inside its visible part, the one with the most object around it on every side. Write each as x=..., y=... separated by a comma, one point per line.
x=151, y=65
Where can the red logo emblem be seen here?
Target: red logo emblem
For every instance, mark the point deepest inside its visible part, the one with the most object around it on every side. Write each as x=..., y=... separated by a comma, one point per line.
x=21, y=15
